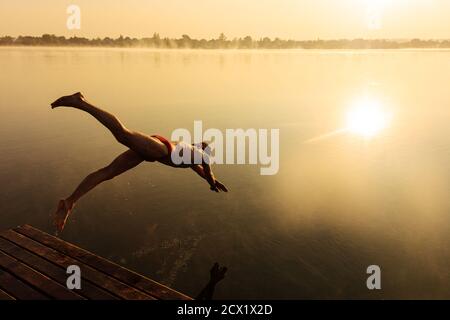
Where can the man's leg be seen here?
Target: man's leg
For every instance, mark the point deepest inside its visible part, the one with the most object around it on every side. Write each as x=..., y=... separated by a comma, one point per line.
x=122, y=163
x=142, y=144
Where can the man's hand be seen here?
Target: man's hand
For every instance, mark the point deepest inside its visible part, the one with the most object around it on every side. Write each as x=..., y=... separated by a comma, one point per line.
x=221, y=186
x=218, y=186
x=217, y=273
x=205, y=172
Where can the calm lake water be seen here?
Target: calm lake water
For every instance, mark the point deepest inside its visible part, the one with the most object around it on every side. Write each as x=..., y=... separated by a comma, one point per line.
x=338, y=204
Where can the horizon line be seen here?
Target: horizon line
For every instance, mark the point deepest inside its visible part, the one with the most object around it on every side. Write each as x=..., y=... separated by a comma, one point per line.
x=222, y=42
x=227, y=39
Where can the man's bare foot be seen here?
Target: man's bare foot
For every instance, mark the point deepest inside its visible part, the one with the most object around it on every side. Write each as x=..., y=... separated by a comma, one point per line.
x=60, y=217
x=73, y=100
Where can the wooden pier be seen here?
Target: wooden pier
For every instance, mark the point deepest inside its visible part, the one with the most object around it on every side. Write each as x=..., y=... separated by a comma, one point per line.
x=33, y=266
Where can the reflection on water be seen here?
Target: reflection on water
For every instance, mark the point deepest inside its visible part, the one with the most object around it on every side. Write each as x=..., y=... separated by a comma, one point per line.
x=373, y=191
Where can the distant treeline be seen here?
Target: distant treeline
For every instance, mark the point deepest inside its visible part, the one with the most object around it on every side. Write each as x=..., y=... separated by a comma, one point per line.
x=222, y=42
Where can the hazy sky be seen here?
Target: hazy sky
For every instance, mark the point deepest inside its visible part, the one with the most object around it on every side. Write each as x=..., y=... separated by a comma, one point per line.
x=296, y=19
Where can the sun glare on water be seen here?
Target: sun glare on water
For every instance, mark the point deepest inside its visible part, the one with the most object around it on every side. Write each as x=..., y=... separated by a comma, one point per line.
x=367, y=119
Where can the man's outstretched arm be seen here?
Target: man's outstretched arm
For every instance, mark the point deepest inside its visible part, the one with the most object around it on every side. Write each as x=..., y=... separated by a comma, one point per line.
x=205, y=172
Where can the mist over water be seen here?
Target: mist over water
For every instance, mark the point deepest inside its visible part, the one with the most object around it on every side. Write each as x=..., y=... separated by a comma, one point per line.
x=336, y=206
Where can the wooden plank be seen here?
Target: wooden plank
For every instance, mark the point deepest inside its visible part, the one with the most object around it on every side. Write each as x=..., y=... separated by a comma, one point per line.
x=36, y=279
x=18, y=289
x=129, y=277
x=51, y=270
x=102, y=280
x=4, y=296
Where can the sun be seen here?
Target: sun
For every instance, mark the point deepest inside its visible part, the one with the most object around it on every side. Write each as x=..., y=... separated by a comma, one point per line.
x=367, y=119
